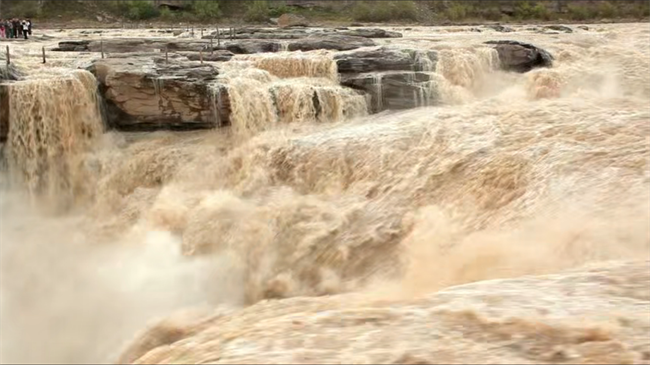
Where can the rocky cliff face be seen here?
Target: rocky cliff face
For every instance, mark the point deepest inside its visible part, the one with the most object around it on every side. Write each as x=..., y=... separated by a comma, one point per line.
x=142, y=94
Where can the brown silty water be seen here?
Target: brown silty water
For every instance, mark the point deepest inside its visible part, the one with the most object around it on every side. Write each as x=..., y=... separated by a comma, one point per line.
x=371, y=221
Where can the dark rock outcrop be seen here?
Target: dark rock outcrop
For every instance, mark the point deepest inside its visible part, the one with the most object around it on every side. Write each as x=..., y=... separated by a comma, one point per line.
x=393, y=90
x=383, y=59
x=391, y=76
x=371, y=33
x=500, y=28
x=293, y=33
x=142, y=94
x=250, y=46
x=216, y=56
x=332, y=42
x=559, y=28
x=126, y=45
x=256, y=33
x=521, y=57
x=72, y=46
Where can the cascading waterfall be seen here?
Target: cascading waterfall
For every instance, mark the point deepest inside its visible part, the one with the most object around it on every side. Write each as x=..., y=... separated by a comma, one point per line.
x=270, y=88
x=53, y=123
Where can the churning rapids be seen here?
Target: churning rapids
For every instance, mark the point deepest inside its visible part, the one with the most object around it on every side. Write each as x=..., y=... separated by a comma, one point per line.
x=507, y=223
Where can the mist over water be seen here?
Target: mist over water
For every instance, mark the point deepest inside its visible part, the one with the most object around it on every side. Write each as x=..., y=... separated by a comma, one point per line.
x=512, y=175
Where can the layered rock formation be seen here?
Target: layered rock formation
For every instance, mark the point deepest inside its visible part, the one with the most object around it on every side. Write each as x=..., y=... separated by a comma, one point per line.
x=145, y=95
x=122, y=45
x=283, y=33
x=331, y=42
x=243, y=46
x=391, y=76
x=142, y=94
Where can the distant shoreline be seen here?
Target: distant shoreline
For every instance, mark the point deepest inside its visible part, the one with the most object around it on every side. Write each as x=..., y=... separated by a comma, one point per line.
x=316, y=24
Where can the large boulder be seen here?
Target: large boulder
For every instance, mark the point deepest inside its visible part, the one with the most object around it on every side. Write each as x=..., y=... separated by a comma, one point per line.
x=521, y=57
x=384, y=59
x=370, y=33
x=292, y=20
x=142, y=94
x=394, y=90
x=331, y=42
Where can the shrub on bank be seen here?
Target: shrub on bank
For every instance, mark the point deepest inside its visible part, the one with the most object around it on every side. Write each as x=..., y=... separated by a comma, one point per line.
x=257, y=11
x=206, y=10
x=579, y=12
x=26, y=9
x=384, y=11
x=525, y=10
x=138, y=10
x=279, y=10
x=607, y=10
x=458, y=11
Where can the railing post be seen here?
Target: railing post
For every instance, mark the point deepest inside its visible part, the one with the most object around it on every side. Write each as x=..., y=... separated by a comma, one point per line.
x=44, y=61
x=8, y=57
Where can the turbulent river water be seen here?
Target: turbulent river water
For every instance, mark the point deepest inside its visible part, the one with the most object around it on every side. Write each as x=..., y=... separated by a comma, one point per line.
x=511, y=175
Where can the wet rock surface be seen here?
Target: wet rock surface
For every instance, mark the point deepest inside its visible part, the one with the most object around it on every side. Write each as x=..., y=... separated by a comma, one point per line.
x=142, y=94
x=521, y=57
x=500, y=28
x=370, y=33
x=559, y=28
x=384, y=59
x=392, y=77
x=215, y=56
x=393, y=90
x=250, y=46
x=124, y=45
x=330, y=42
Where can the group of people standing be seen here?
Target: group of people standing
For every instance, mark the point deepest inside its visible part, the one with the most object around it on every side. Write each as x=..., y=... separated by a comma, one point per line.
x=15, y=28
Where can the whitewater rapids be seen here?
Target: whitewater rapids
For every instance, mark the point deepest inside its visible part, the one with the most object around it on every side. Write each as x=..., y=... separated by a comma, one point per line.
x=507, y=225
